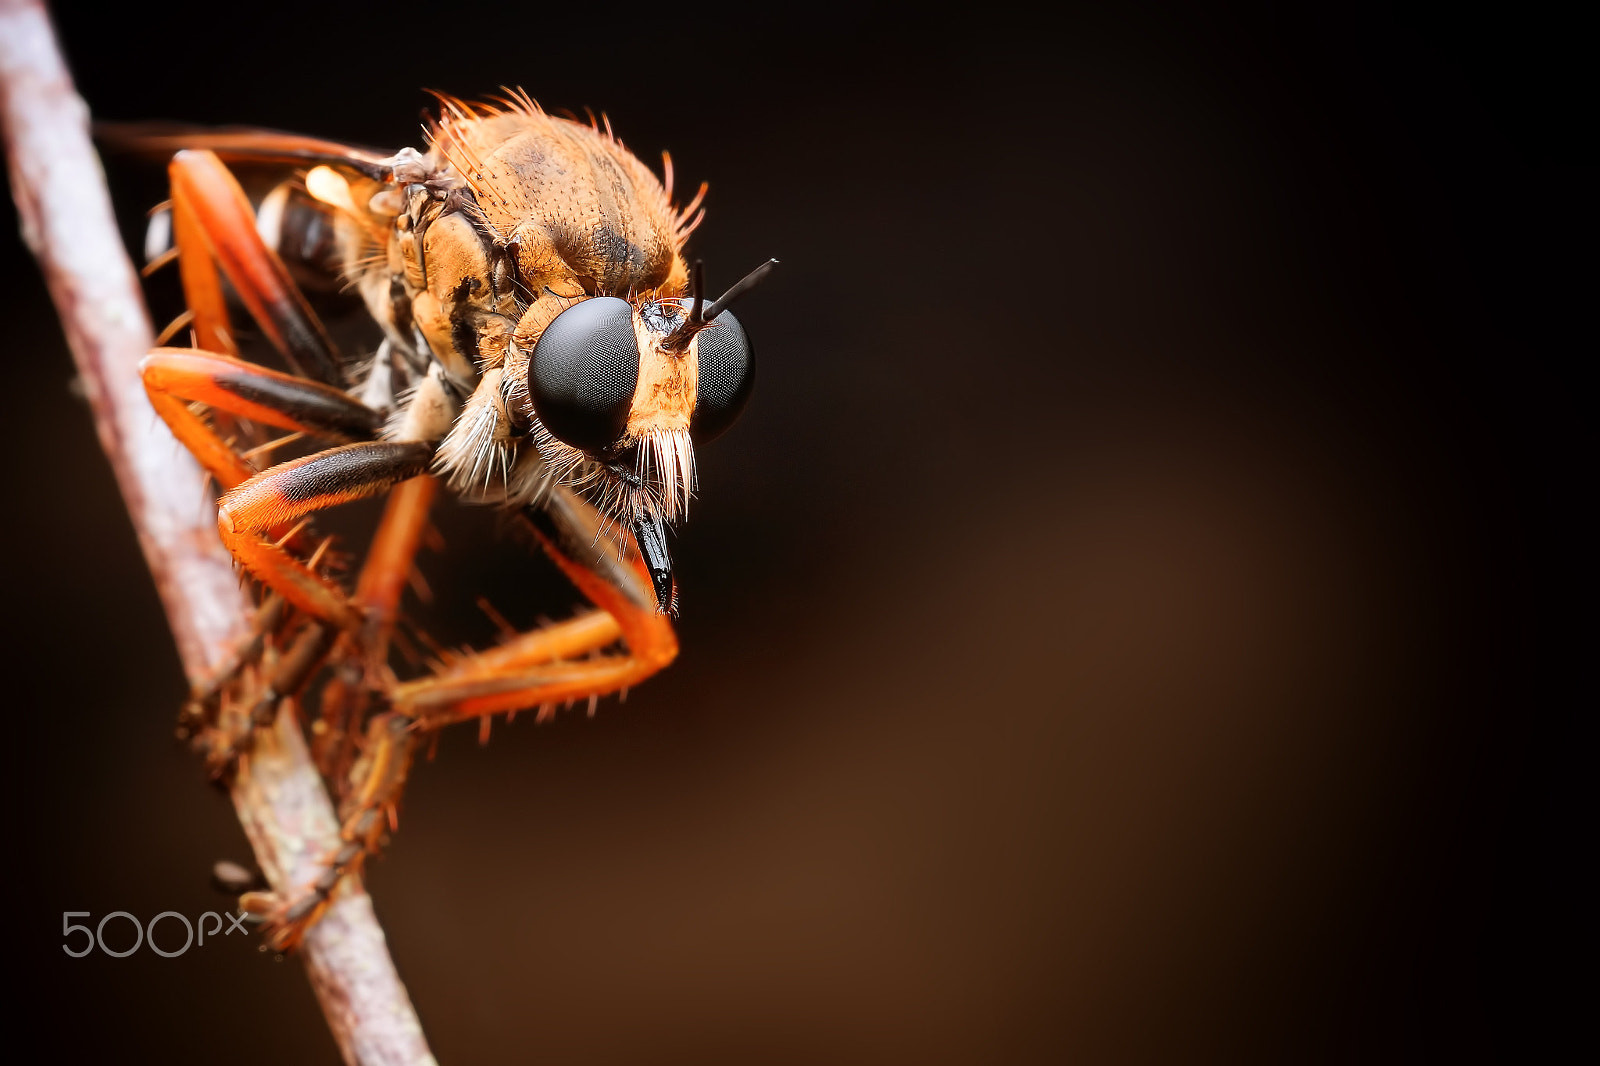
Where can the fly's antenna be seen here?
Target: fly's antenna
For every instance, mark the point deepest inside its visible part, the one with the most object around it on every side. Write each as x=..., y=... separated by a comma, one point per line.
x=699, y=318
x=696, y=291
x=740, y=287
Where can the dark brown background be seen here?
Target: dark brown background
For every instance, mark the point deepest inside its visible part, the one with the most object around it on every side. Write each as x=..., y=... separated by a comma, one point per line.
x=1129, y=625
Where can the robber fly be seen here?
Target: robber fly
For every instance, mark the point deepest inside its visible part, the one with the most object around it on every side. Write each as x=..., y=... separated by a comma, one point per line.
x=546, y=348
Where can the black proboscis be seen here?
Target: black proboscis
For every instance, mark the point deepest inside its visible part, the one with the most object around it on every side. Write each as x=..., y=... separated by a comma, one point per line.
x=651, y=536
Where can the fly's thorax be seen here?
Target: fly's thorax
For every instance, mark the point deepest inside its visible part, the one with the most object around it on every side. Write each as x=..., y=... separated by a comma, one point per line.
x=463, y=300
x=570, y=197
x=505, y=204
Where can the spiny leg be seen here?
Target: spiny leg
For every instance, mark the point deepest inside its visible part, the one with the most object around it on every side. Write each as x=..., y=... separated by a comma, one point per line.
x=367, y=814
x=258, y=393
x=177, y=377
x=299, y=648
x=388, y=566
x=393, y=548
x=293, y=671
x=391, y=740
x=214, y=226
x=543, y=667
x=259, y=507
x=383, y=578
x=200, y=712
x=619, y=586
x=291, y=490
x=286, y=676
x=174, y=378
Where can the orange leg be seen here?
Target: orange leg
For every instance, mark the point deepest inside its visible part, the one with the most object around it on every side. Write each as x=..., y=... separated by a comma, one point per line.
x=215, y=455
x=202, y=285
x=544, y=666
x=176, y=377
x=257, y=393
x=344, y=697
x=172, y=378
x=289, y=491
x=384, y=576
x=213, y=226
x=258, y=506
x=387, y=569
x=538, y=668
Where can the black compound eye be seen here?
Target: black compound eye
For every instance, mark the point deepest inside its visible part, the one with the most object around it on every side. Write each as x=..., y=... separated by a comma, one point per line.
x=726, y=373
x=583, y=373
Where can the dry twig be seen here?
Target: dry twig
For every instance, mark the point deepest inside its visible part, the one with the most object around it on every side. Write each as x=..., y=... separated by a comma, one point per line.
x=67, y=221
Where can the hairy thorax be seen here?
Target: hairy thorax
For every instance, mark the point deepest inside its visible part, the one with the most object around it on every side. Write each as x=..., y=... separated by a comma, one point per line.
x=513, y=216
x=544, y=206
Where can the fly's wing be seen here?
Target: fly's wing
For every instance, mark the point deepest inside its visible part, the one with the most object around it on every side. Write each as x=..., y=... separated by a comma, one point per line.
x=245, y=144
x=305, y=232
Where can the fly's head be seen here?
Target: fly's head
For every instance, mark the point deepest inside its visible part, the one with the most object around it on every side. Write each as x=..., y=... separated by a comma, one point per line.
x=626, y=389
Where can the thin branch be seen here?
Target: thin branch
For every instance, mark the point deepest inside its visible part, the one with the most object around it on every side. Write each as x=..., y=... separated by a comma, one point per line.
x=67, y=221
